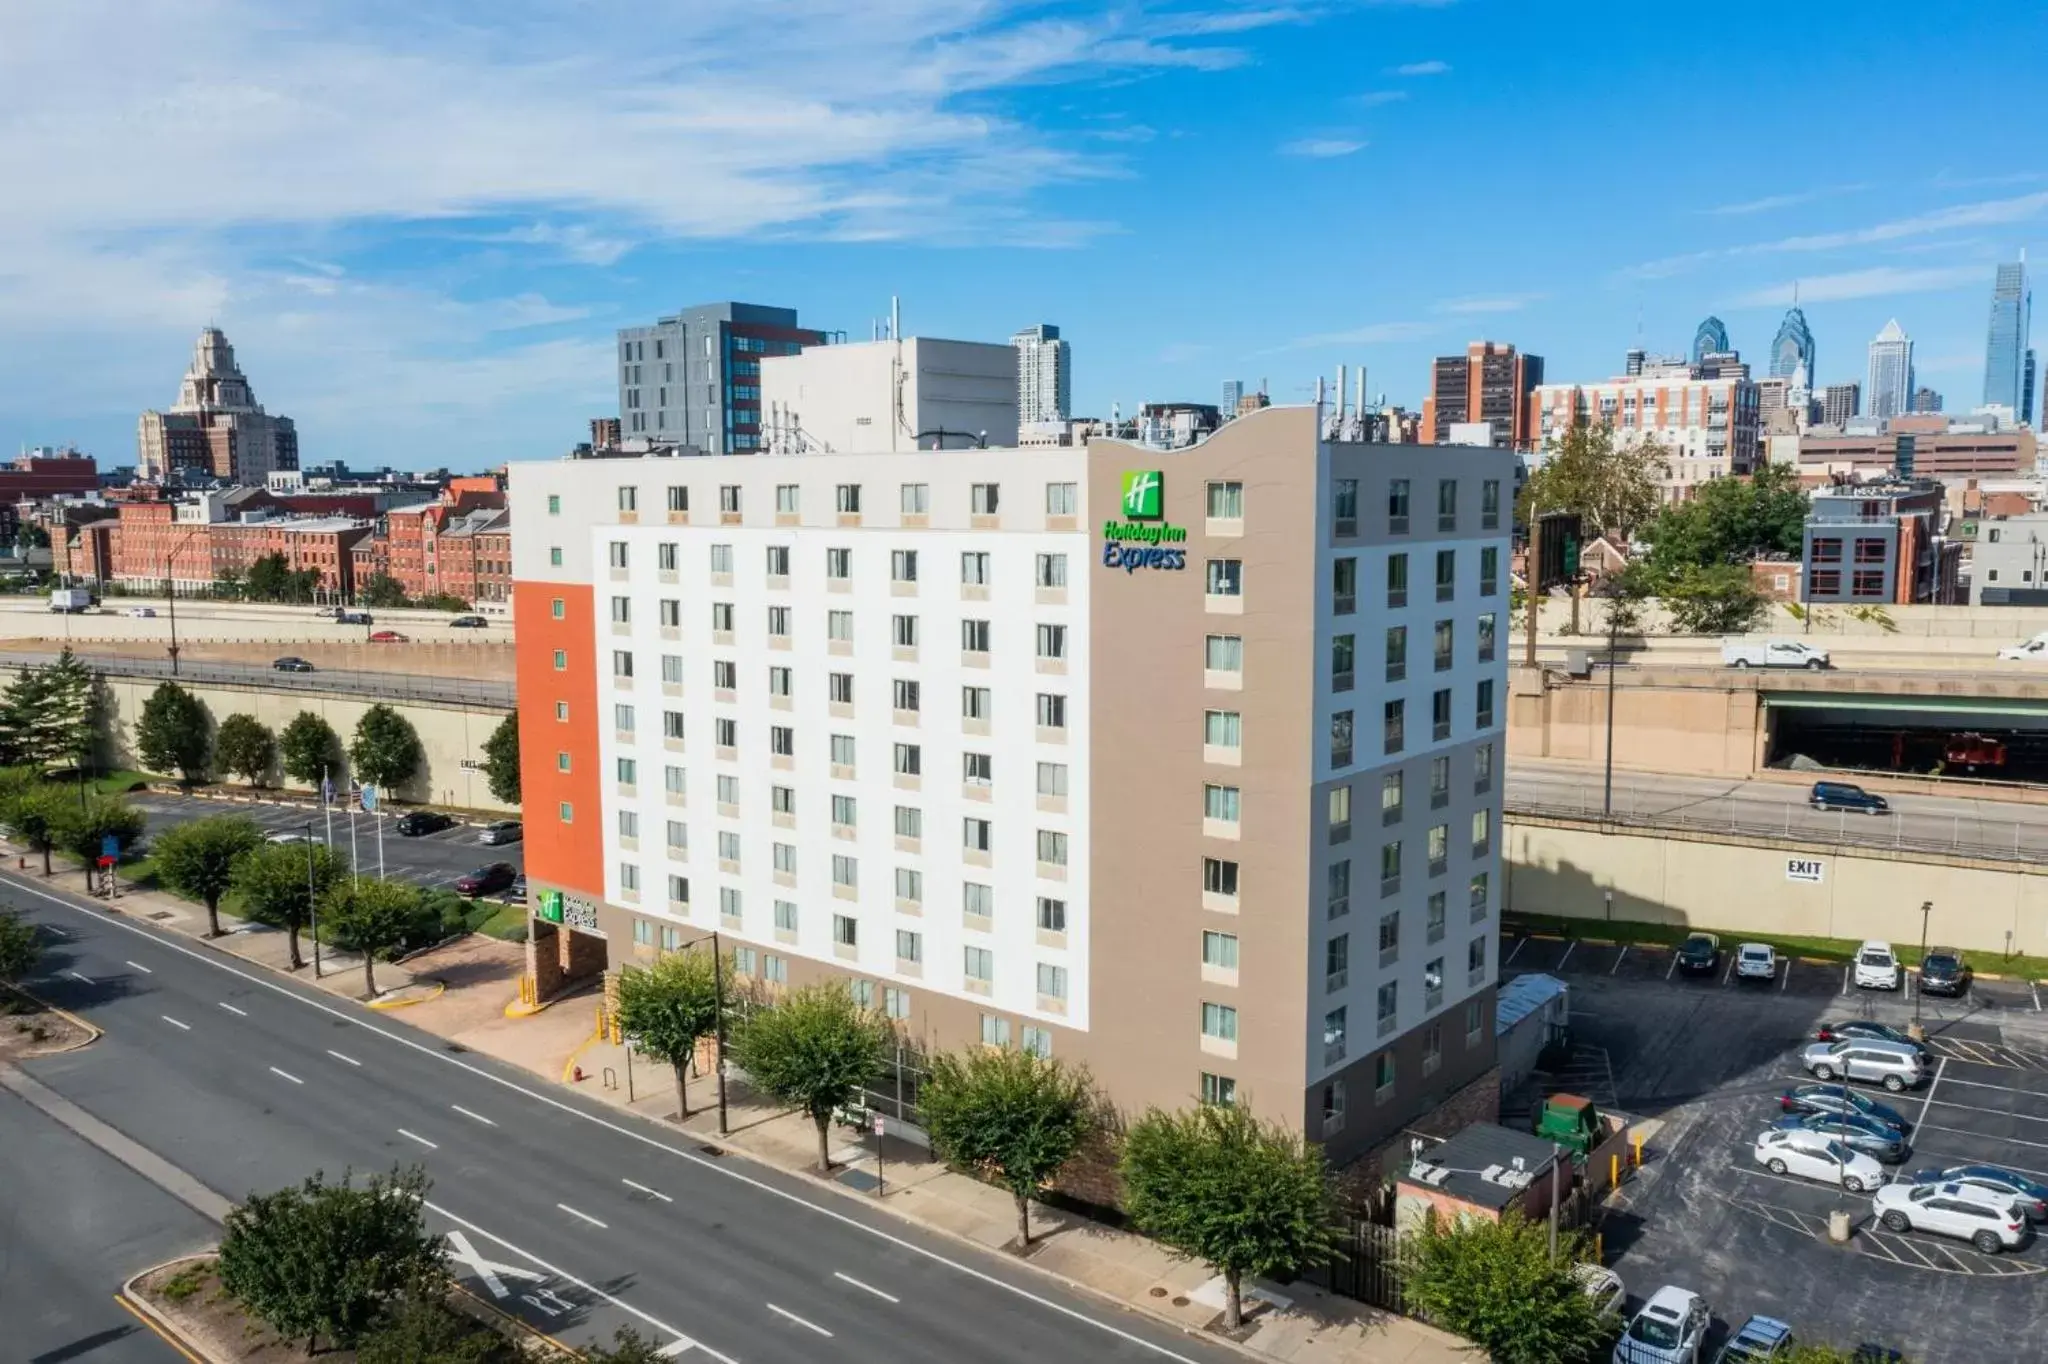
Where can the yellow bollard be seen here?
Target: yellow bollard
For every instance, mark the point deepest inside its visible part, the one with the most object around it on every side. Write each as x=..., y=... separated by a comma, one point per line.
x=1637, y=1138
x=1613, y=1170
x=1599, y=1248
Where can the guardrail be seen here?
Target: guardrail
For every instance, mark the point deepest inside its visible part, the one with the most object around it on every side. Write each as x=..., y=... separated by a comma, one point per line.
x=1991, y=841
x=338, y=681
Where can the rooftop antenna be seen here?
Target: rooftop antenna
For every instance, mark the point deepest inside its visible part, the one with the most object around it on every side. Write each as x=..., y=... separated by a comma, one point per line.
x=895, y=320
x=1795, y=293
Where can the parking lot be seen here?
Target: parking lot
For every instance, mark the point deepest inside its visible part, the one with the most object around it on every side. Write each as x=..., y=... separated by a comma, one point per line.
x=1708, y=1056
x=433, y=860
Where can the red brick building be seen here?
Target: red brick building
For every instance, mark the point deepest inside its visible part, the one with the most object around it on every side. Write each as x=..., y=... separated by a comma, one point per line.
x=460, y=546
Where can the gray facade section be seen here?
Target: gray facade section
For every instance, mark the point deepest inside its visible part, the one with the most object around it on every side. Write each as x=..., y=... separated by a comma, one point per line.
x=677, y=377
x=2009, y=562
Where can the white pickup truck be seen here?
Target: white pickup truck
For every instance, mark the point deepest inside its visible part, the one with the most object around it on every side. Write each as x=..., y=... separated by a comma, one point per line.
x=1772, y=653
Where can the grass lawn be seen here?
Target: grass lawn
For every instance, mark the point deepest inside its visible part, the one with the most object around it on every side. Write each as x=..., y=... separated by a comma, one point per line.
x=124, y=779
x=507, y=922
x=1824, y=949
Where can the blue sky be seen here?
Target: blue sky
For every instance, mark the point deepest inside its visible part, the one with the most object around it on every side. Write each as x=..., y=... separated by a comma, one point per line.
x=420, y=222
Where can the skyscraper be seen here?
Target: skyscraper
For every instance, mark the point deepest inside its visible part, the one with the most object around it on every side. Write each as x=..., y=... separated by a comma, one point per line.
x=1710, y=339
x=1888, y=387
x=2006, y=340
x=695, y=378
x=1045, y=372
x=216, y=427
x=1490, y=382
x=1793, y=346
x=1839, y=402
x=2027, y=390
x=1233, y=394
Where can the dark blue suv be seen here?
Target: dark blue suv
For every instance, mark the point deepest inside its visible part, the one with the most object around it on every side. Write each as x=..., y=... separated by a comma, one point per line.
x=1840, y=795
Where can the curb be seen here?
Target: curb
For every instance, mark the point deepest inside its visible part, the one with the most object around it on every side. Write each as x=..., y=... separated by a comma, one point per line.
x=156, y=1321
x=490, y=1314
x=440, y=988
x=569, y=1066
x=92, y=1033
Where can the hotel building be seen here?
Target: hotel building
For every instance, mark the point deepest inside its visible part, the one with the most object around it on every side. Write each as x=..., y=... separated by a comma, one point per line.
x=1184, y=764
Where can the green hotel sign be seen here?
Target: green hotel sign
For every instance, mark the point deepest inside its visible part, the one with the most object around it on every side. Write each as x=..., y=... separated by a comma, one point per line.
x=551, y=906
x=1135, y=542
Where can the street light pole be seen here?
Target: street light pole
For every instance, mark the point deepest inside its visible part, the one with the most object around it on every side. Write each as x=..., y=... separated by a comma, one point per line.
x=718, y=988
x=1926, y=909
x=312, y=910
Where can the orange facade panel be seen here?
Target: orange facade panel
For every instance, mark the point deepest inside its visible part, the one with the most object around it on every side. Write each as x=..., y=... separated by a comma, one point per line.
x=565, y=853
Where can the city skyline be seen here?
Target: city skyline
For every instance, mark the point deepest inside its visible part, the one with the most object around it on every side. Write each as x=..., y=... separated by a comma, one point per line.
x=1041, y=165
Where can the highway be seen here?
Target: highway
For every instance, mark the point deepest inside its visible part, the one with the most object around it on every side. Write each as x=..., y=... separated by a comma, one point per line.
x=395, y=685
x=578, y=1218
x=1979, y=826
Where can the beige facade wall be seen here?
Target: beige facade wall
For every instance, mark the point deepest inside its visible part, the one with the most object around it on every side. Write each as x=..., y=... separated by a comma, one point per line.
x=1565, y=867
x=449, y=734
x=1705, y=725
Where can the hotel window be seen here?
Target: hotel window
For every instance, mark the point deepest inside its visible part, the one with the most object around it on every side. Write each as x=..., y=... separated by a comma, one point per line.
x=1225, y=578
x=1220, y=803
x=1339, y=813
x=622, y=663
x=562, y=710
x=1219, y=877
x=1439, y=848
x=1052, y=779
x=629, y=879
x=678, y=497
x=1224, y=654
x=786, y=499
x=1397, y=580
x=839, y=688
x=1391, y=796
x=1486, y=637
x=895, y=1002
x=721, y=617
x=1446, y=574
x=1052, y=570
x=665, y=558
x=622, y=610
x=1219, y=950
x=721, y=558
x=1220, y=1022
x=778, y=561
x=1439, y=782
x=903, y=630
x=842, y=750
x=1394, y=724
x=1489, y=504
x=1482, y=832
x=1482, y=767
x=1052, y=848
x=974, y=569
x=848, y=498
x=555, y=561
x=909, y=945
x=908, y=693
x=974, y=636
x=1489, y=571
x=1446, y=505
x=845, y=932
x=728, y=790
x=978, y=963
x=774, y=969
x=565, y=811
x=1222, y=729
x=1052, y=641
x=839, y=626
x=1397, y=507
x=1433, y=923
x=778, y=621
x=678, y=835
x=846, y=812
x=1343, y=660
x=618, y=554
x=1337, y=885
x=725, y=674
x=1390, y=865
x=629, y=498
x=780, y=680
x=1052, y=981
x=914, y=499
x=781, y=799
x=782, y=741
x=1475, y=956
x=1476, y=894
x=558, y=608
x=1344, y=505
x=1037, y=1042
x=1218, y=1091
x=1445, y=639
x=839, y=563
x=1869, y=582
x=729, y=499
x=976, y=703
x=1340, y=739
x=783, y=855
x=995, y=1032
x=1226, y=501
x=1052, y=711
x=1052, y=915
x=672, y=669
x=728, y=901
x=671, y=613
x=728, y=846
x=629, y=823
x=1440, y=714
x=903, y=566
x=984, y=498
x=845, y=871
x=623, y=719
x=909, y=760
x=1344, y=586
x=909, y=822
x=910, y=886
x=1060, y=499
x=785, y=916
x=1335, y=1040
x=1337, y=963
x=554, y=504
x=678, y=893
x=675, y=780
x=976, y=834
x=1482, y=709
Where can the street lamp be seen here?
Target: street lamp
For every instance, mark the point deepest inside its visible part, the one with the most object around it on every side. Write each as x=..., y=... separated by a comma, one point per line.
x=312, y=911
x=171, y=591
x=1926, y=909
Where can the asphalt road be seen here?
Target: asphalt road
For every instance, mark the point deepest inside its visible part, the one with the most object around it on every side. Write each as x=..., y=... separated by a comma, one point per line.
x=394, y=685
x=1980, y=826
x=576, y=1217
x=74, y=1225
x=429, y=860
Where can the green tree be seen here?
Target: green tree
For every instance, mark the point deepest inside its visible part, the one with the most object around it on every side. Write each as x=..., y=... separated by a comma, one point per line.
x=272, y=578
x=246, y=747
x=628, y=1347
x=31, y=536
x=1728, y=521
x=383, y=590
x=1497, y=1285
x=668, y=1008
x=1011, y=1115
x=1217, y=1185
x=501, y=760
x=172, y=734
x=198, y=859
x=1612, y=488
x=421, y=1328
x=370, y=916
x=1719, y=600
x=331, y=1259
x=309, y=749
x=83, y=826
x=36, y=813
x=50, y=714
x=386, y=752
x=815, y=1050
x=279, y=883
x=21, y=947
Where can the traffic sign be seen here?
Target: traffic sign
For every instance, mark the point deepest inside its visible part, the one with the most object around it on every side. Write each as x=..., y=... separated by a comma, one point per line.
x=110, y=847
x=369, y=798
x=878, y=1124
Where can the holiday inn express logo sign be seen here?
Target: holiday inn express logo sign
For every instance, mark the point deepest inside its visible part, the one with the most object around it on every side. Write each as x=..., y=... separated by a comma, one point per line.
x=1136, y=541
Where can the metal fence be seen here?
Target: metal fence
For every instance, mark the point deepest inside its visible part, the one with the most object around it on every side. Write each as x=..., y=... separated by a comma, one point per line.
x=392, y=686
x=1366, y=1266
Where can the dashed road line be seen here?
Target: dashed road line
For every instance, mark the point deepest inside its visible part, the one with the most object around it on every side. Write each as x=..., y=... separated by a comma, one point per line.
x=414, y=1136
x=1619, y=957
x=140, y=967
x=584, y=1215
x=477, y=1116
x=286, y=1075
x=238, y=1013
x=651, y=1193
x=348, y=1060
x=807, y=1325
x=865, y=1287
x=183, y=1027
x=1785, y=979
x=86, y=980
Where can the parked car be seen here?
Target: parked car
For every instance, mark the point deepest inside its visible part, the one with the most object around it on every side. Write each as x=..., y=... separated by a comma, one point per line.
x=288, y=836
x=1944, y=972
x=145, y=612
x=1877, y=968
x=1700, y=953
x=389, y=637
x=1756, y=961
x=417, y=822
x=291, y=663
x=502, y=832
x=2030, y=1194
x=1864, y=1027
x=1817, y=1155
x=1839, y=1099
x=1671, y=1329
x=485, y=880
x=2035, y=648
x=1867, y=1059
x=1989, y=1223
x=1772, y=653
x=1755, y=1341
x=516, y=892
x=1841, y=795
x=468, y=623
x=1864, y=1135
x=355, y=618
x=1603, y=1286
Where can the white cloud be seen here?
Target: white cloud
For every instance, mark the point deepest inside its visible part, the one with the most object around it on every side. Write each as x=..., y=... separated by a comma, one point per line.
x=1372, y=334
x=1494, y=303
x=1428, y=68
x=1878, y=282
x=1322, y=148
x=1773, y=202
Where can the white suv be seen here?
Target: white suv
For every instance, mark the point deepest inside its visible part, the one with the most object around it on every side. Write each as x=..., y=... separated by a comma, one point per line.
x=1877, y=968
x=1816, y=1155
x=1756, y=961
x=1987, y=1221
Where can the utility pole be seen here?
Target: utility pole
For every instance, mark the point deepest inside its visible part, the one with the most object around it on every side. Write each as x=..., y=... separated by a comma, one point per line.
x=1926, y=909
x=312, y=910
x=1607, y=791
x=1531, y=585
x=718, y=992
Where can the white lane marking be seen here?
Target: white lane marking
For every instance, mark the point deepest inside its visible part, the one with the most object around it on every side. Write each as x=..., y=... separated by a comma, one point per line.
x=1932, y=1085
x=467, y=1114
x=681, y=1343
x=1567, y=953
x=286, y=1075
x=467, y=1255
x=2002, y=1089
x=238, y=1013
x=350, y=1060
x=791, y=1316
x=1519, y=945
x=1787, y=979
x=414, y=1136
x=185, y=1027
x=1845, y=978
x=1672, y=969
x=1618, y=960
x=2034, y=988
x=584, y=1215
x=865, y=1287
x=651, y=1193
x=1730, y=971
x=760, y=1185
x=75, y=976
x=140, y=967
